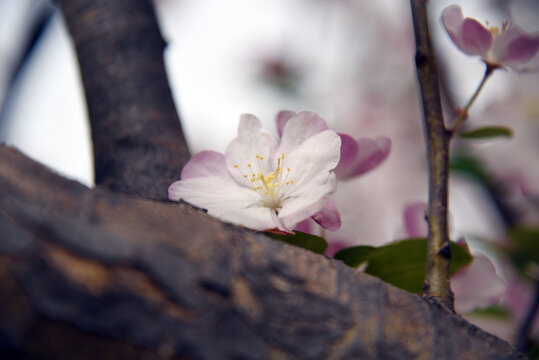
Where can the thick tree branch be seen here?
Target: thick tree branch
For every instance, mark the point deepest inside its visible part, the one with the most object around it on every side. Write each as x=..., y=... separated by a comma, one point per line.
x=437, y=284
x=138, y=144
x=86, y=272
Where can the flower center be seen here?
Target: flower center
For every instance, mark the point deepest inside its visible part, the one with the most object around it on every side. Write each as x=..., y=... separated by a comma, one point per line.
x=269, y=186
x=495, y=30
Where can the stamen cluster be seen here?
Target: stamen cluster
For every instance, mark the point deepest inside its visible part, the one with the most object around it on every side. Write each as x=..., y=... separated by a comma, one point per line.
x=270, y=186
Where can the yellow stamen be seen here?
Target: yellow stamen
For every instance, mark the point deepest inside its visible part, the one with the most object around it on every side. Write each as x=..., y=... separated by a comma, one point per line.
x=270, y=185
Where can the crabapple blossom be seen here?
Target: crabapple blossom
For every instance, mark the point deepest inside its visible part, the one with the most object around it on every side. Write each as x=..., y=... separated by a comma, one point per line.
x=509, y=46
x=261, y=184
x=358, y=156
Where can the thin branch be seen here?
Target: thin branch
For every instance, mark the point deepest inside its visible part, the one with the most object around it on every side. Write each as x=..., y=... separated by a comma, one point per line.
x=437, y=286
x=464, y=112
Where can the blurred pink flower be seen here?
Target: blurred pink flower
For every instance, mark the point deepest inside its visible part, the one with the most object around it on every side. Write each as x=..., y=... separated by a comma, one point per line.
x=510, y=46
x=358, y=156
x=414, y=220
x=476, y=285
x=263, y=185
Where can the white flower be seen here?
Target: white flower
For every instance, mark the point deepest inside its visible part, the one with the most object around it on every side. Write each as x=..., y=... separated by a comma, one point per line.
x=260, y=184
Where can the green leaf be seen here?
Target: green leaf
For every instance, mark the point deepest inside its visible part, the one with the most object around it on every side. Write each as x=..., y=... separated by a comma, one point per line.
x=303, y=240
x=471, y=166
x=526, y=243
x=402, y=263
x=495, y=311
x=487, y=132
x=354, y=256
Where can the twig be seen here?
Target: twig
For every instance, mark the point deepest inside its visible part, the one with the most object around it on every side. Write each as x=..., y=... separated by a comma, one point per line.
x=464, y=112
x=437, y=285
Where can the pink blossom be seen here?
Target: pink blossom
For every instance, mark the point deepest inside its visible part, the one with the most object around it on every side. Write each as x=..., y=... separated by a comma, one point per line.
x=510, y=46
x=475, y=285
x=261, y=184
x=414, y=219
x=358, y=156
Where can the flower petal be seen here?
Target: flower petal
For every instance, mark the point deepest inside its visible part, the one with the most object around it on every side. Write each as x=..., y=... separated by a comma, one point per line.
x=477, y=285
x=205, y=163
x=530, y=66
x=225, y=200
x=282, y=118
x=329, y=217
x=311, y=161
x=371, y=153
x=306, y=203
x=452, y=20
x=414, y=220
x=475, y=38
x=349, y=152
x=513, y=47
x=251, y=141
x=299, y=128
x=304, y=226
x=470, y=36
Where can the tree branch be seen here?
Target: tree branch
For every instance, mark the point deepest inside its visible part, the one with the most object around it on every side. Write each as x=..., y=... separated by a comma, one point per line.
x=437, y=284
x=86, y=272
x=138, y=144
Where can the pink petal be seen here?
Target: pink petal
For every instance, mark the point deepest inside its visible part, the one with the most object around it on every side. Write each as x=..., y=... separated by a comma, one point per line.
x=311, y=162
x=371, y=153
x=461, y=241
x=306, y=203
x=251, y=141
x=205, y=163
x=329, y=217
x=452, y=20
x=282, y=118
x=299, y=128
x=530, y=66
x=335, y=246
x=470, y=36
x=477, y=285
x=349, y=152
x=304, y=226
x=475, y=38
x=414, y=220
x=513, y=47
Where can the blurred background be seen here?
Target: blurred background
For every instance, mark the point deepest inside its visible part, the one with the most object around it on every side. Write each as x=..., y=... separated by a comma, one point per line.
x=352, y=62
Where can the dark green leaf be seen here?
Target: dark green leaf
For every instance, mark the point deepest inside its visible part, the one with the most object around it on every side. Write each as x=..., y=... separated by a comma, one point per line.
x=470, y=166
x=487, y=132
x=303, y=240
x=526, y=243
x=401, y=263
x=354, y=256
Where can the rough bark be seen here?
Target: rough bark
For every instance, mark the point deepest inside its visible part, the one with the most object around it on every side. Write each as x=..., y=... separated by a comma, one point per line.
x=87, y=271
x=138, y=144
